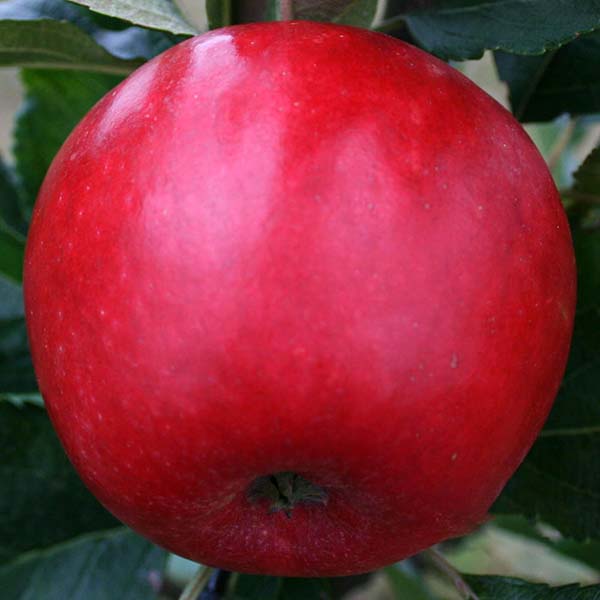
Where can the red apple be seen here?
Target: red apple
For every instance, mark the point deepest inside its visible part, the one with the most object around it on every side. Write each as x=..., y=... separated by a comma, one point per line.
x=299, y=299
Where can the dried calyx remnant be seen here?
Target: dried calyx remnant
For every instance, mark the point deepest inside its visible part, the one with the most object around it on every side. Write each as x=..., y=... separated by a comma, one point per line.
x=284, y=490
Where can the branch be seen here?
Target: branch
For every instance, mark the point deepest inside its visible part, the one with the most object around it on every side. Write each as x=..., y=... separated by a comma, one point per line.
x=286, y=10
x=439, y=561
x=197, y=584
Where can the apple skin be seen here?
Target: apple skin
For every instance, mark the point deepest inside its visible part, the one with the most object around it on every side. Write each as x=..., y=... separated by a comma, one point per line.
x=298, y=247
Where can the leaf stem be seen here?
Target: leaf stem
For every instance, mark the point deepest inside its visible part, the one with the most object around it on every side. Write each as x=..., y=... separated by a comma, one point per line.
x=286, y=10
x=197, y=584
x=440, y=562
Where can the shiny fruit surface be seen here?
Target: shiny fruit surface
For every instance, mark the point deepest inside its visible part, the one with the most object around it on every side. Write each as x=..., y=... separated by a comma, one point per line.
x=299, y=299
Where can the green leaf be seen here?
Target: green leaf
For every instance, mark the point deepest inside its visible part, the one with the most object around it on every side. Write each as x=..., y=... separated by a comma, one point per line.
x=58, y=10
x=587, y=177
x=261, y=587
x=507, y=588
x=12, y=240
x=349, y=12
x=42, y=500
x=34, y=10
x=12, y=251
x=114, y=564
x=295, y=588
x=559, y=481
x=222, y=13
x=110, y=34
x=564, y=81
x=359, y=13
x=405, y=584
x=218, y=13
x=156, y=14
x=11, y=306
x=55, y=101
x=523, y=75
x=461, y=29
x=11, y=209
x=16, y=370
x=256, y=587
x=587, y=552
x=50, y=44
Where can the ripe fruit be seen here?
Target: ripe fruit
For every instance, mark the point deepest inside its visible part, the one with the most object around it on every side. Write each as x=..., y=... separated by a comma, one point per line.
x=299, y=299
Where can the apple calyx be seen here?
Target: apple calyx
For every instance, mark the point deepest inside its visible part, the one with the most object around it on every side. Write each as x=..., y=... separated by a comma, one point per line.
x=284, y=490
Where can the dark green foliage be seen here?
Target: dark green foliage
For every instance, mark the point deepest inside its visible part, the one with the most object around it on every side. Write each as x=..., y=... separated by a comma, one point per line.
x=506, y=588
x=563, y=81
x=16, y=371
x=113, y=564
x=460, y=29
x=42, y=500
